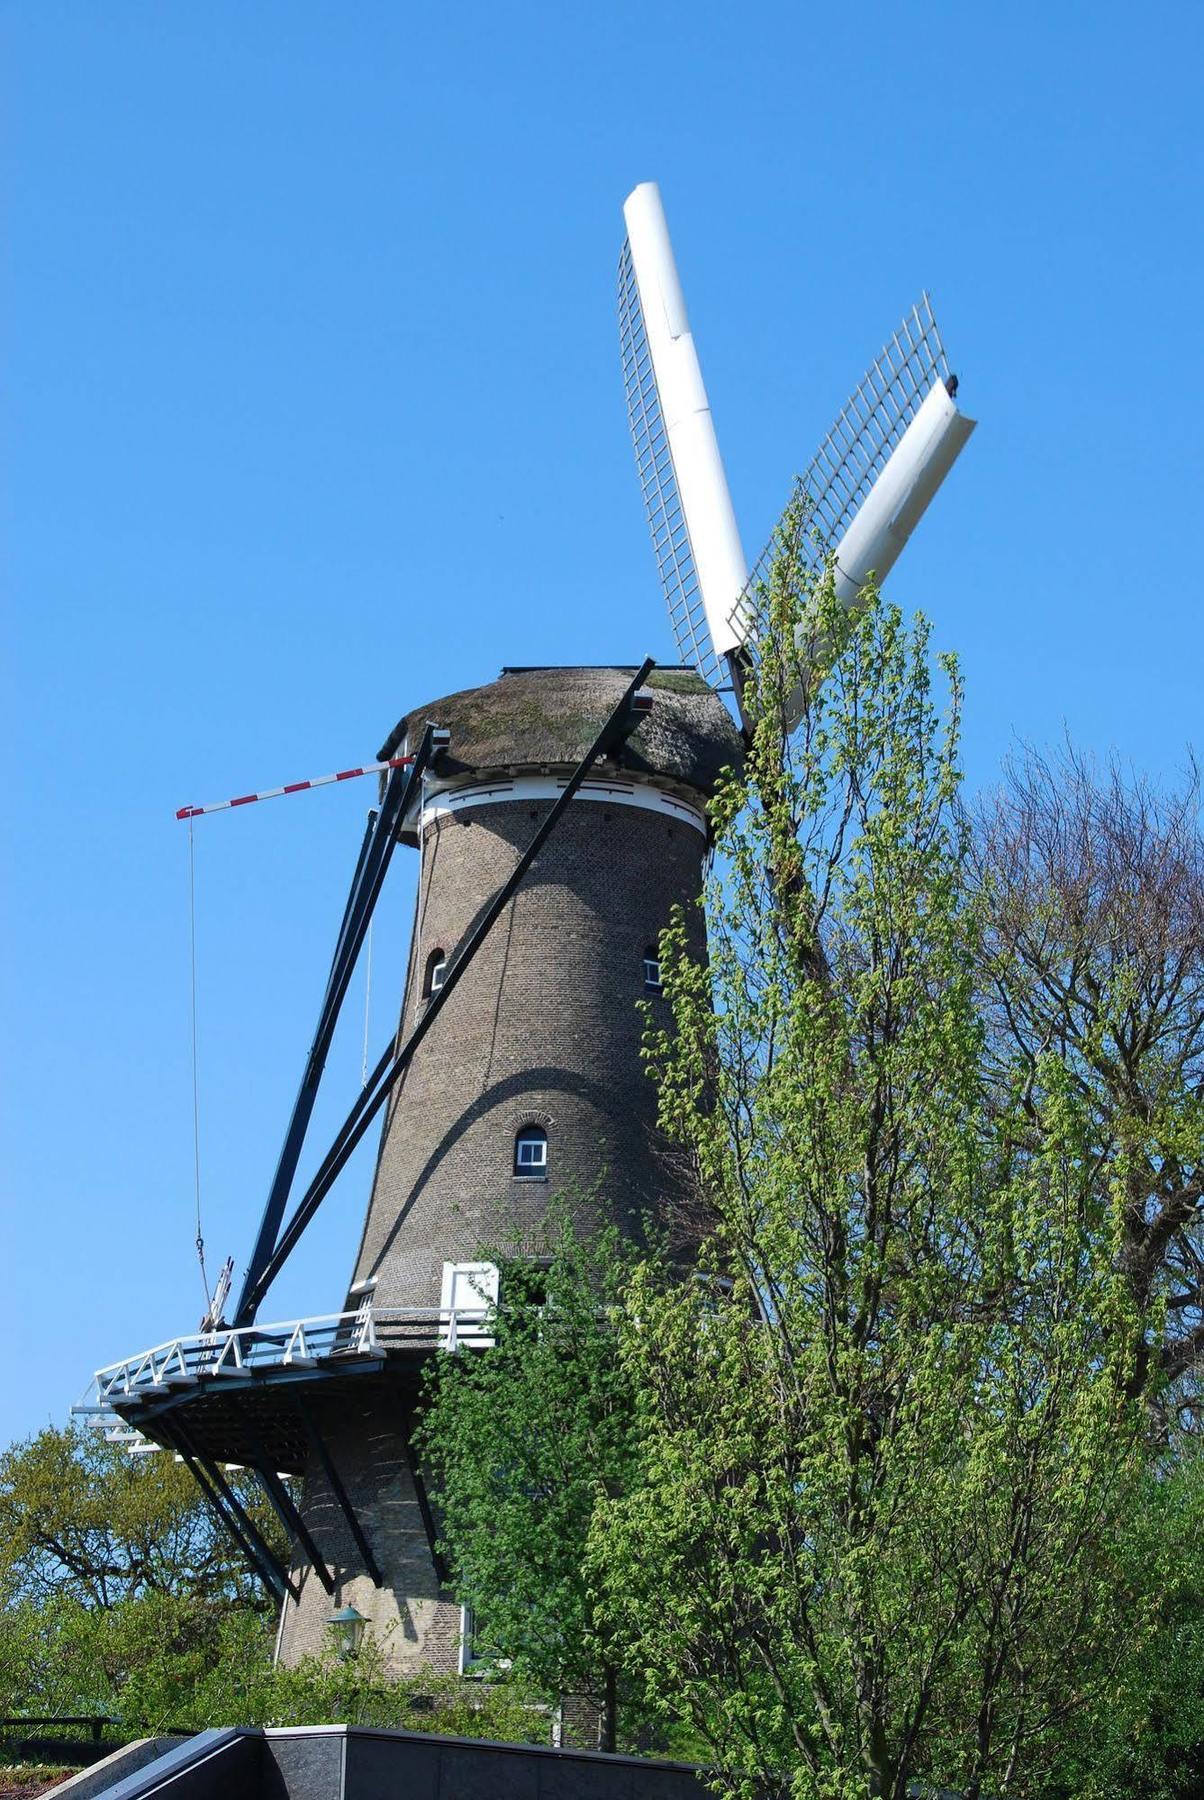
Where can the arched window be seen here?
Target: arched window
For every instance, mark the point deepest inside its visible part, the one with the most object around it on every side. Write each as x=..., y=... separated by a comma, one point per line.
x=652, y=970
x=531, y=1151
x=436, y=971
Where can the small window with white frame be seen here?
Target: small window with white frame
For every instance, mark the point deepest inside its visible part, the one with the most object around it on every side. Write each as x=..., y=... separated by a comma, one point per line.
x=436, y=972
x=652, y=970
x=468, y=1647
x=531, y=1151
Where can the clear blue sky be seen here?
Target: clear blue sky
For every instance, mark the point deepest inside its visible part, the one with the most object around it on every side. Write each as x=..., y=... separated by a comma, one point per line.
x=314, y=413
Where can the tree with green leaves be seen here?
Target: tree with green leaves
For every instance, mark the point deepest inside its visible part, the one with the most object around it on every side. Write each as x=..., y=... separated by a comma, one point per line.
x=521, y=1441
x=886, y=1449
x=1091, y=881
x=121, y=1596
x=165, y=1662
x=81, y=1518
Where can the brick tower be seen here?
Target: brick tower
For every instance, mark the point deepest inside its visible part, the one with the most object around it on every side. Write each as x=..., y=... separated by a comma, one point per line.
x=529, y=1085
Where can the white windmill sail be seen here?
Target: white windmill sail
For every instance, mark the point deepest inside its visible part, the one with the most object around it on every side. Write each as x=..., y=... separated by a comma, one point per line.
x=699, y=556
x=866, y=488
x=890, y=448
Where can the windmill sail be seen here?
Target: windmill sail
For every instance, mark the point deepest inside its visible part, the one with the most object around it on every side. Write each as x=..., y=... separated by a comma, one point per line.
x=866, y=488
x=700, y=560
x=891, y=446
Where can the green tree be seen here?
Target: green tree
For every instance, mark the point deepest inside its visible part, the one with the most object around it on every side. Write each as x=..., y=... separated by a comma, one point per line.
x=122, y=1597
x=1144, y=1733
x=876, y=1534
x=165, y=1662
x=82, y=1519
x=1092, y=887
x=522, y=1440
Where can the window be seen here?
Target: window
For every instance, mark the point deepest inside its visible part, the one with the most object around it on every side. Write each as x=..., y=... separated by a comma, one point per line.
x=436, y=971
x=652, y=970
x=531, y=1151
x=475, y=1659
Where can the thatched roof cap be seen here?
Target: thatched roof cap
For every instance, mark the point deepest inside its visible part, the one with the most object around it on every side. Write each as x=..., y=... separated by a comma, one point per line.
x=539, y=718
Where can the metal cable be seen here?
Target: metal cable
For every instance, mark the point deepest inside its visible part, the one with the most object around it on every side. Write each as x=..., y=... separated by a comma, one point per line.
x=196, y=1104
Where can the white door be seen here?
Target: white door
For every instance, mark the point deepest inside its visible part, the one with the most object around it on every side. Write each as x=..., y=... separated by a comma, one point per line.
x=470, y=1290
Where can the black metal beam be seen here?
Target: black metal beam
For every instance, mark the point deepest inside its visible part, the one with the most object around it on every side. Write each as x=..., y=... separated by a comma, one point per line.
x=341, y=1496
x=376, y=851
x=266, y=1569
x=246, y=1523
x=368, y=839
x=261, y=1570
x=623, y=720
x=290, y=1517
x=286, y=1509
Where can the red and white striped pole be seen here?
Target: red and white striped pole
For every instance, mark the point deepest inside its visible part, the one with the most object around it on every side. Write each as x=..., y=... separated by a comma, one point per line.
x=293, y=787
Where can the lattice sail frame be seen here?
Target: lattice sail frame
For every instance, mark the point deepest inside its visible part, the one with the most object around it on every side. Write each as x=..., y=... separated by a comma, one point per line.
x=859, y=443
x=658, y=483
x=837, y=481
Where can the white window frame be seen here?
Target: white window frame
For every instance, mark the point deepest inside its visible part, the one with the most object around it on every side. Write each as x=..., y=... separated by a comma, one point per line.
x=527, y=1165
x=469, y=1660
x=651, y=980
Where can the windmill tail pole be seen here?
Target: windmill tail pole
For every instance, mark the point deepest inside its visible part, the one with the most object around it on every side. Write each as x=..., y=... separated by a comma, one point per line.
x=292, y=787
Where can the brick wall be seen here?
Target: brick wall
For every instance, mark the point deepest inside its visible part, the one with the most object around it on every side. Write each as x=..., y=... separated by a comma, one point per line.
x=543, y=1028
x=413, y=1621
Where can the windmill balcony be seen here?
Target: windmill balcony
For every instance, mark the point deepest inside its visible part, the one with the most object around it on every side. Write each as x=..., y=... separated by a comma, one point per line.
x=228, y=1381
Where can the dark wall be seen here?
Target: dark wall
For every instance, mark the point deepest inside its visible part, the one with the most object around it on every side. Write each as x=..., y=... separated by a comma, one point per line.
x=384, y=1765
x=340, y=1762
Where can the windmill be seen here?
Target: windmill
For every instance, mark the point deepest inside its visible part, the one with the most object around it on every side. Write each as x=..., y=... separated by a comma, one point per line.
x=559, y=815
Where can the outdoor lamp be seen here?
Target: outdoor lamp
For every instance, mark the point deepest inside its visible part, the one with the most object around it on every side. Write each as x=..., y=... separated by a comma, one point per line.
x=348, y=1627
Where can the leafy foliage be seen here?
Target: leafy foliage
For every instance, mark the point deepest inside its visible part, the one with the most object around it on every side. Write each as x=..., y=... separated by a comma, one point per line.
x=522, y=1441
x=877, y=1536
x=121, y=1598
x=81, y=1518
x=168, y=1662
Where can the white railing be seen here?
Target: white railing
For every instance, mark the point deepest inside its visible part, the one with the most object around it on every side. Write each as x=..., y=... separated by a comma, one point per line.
x=185, y=1362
